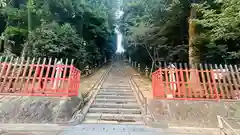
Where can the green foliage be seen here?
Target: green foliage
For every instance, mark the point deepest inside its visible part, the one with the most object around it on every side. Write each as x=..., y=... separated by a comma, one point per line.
x=160, y=25
x=54, y=40
x=220, y=28
x=163, y=27
x=79, y=29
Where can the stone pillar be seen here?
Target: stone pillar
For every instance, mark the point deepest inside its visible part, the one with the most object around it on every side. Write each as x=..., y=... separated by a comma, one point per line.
x=146, y=71
x=105, y=60
x=129, y=60
x=138, y=67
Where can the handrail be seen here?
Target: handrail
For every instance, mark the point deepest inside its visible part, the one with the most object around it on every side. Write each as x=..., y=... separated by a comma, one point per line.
x=225, y=131
x=143, y=100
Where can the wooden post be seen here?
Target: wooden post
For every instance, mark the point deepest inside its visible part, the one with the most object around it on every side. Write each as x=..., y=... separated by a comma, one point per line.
x=129, y=60
x=172, y=77
x=135, y=64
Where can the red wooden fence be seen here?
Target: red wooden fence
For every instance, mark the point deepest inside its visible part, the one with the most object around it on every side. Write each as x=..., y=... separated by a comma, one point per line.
x=206, y=82
x=38, y=77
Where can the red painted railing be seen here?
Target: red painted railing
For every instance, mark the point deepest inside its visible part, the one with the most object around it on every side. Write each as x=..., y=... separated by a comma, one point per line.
x=38, y=77
x=196, y=84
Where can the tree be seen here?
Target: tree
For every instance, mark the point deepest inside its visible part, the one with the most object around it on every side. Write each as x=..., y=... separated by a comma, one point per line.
x=90, y=23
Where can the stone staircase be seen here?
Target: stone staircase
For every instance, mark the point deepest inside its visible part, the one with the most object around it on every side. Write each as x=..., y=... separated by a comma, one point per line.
x=115, y=102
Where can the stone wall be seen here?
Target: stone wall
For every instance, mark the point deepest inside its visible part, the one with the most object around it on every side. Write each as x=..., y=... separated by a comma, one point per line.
x=194, y=113
x=16, y=109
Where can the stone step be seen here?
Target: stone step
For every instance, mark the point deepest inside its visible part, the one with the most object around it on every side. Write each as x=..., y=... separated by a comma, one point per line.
x=116, y=101
x=116, y=90
x=114, y=110
x=116, y=87
x=111, y=105
x=114, y=117
x=92, y=121
x=115, y=97
x=116, y=93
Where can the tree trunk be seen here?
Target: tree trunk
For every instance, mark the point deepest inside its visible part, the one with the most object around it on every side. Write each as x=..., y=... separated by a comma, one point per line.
x=193, y=56
x=7, y=46
x=26, y=46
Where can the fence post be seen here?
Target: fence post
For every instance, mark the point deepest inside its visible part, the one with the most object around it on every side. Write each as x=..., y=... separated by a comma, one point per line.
x=132, y=63
x=138, y=67
x=146, y=71
x=135, y=64
x=172, y=77
x=58, y=75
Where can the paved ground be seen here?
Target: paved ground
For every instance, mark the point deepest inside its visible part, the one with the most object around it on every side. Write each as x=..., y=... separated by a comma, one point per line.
x=101, y=129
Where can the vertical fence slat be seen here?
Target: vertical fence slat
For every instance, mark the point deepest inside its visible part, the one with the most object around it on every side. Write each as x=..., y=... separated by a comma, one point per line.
x=233, y=81
x=211, y=81
x=64, y=77
x=160, y=84
x=29, y=77
x=238, y=80
x=78, y=83
x=188, y=90
x=53, y=73
x=167, y=92
x=6, y=73
x=219, y=82
x=58, y=79
x=229, y=81
x=19, y=73
x=70, y=79
x=3, y=65
x=203, y=80
x=32, y=90
x=23, y=76
x=183, y=82
x=208, y=74
x=177, y=82
x=12, y=75
x=39, y=73
x=45, y=87
x=198, y=84
x=224, y=83
x=237, y=74
x=153, y=83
